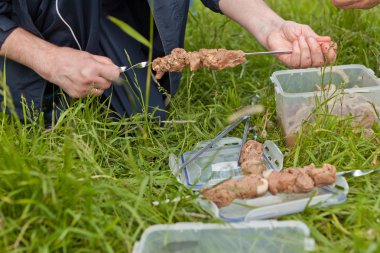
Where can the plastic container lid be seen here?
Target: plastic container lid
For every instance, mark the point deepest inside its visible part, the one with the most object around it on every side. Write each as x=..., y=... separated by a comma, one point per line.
x=212, y=166
x=258, y=236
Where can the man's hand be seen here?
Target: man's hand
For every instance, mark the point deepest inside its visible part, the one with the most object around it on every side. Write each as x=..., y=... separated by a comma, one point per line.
x=309, y=49
x=78, y=73
x=355, y=4
x=275, y=33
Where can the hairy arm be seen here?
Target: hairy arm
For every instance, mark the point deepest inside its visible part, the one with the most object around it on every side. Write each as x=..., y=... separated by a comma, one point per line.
x=78, y=73
x=254, y=15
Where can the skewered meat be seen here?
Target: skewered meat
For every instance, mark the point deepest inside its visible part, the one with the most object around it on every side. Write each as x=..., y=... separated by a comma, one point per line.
x=218, y=59
x=251, y=186
x=215, y=59
x=252, y=158
x=300, y=180
x=296, y=180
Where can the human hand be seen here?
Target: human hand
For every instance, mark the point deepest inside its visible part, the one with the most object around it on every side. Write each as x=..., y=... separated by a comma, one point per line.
x=355, y=4
x=78, y=73
x=309, y=49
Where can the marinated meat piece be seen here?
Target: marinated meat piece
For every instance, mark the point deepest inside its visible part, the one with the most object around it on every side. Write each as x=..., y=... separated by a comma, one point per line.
x=253, y=167
x=280, y=182
x=252, y=158
x=251, y=186
x=310, y=167
x=324, y=176
x=194, y=61
x=301, y=180
x=178, y=59
x=215, y=59
x=173, y=62
x=218, y=59
x=161, y=66
x=221, y=198
x=252, y=149
x=304, y=183
x=290, y=180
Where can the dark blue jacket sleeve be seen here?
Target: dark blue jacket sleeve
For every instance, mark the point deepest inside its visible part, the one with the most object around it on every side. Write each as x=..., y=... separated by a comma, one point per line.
x=7, y=25
x=212, y=4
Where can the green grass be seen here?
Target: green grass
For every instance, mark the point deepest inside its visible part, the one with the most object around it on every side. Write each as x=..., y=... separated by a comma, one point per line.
x=87, y=185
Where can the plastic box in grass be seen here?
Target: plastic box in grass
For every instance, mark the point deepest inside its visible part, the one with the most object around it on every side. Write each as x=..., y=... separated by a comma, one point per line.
x=339, y=90
x=259, y=236
x=220, y=163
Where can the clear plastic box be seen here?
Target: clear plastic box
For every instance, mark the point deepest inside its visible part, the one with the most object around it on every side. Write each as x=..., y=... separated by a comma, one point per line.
x=259, y=236
x=201, y=173
x=297, y=91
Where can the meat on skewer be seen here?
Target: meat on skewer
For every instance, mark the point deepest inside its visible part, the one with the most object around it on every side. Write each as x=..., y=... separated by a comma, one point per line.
x=215, y=59
x=252, y=158
x=292, y=180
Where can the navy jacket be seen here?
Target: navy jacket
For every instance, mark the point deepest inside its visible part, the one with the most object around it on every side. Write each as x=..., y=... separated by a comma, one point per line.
x=41, y=18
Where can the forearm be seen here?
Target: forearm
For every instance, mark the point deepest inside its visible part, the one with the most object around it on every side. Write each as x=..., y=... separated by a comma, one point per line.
x=29, y=50
x=254, y=15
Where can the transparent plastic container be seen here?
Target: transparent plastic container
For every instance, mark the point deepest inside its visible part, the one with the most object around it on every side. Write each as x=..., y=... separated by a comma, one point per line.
x=259, y=236
x=298, y=92
x=201, y=173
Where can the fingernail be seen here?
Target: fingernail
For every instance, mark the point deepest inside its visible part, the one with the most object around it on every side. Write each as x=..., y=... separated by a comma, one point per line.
x=311, y=40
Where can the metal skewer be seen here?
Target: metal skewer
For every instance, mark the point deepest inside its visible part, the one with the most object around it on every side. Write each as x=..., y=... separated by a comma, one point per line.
x=357, y=173
x=269, y=52
x=145, y=64
x=139, y=65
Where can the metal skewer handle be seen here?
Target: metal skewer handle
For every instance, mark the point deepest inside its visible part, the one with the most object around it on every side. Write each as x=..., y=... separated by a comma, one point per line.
x=139, y=65
x=212, y=142
x=246, y=129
